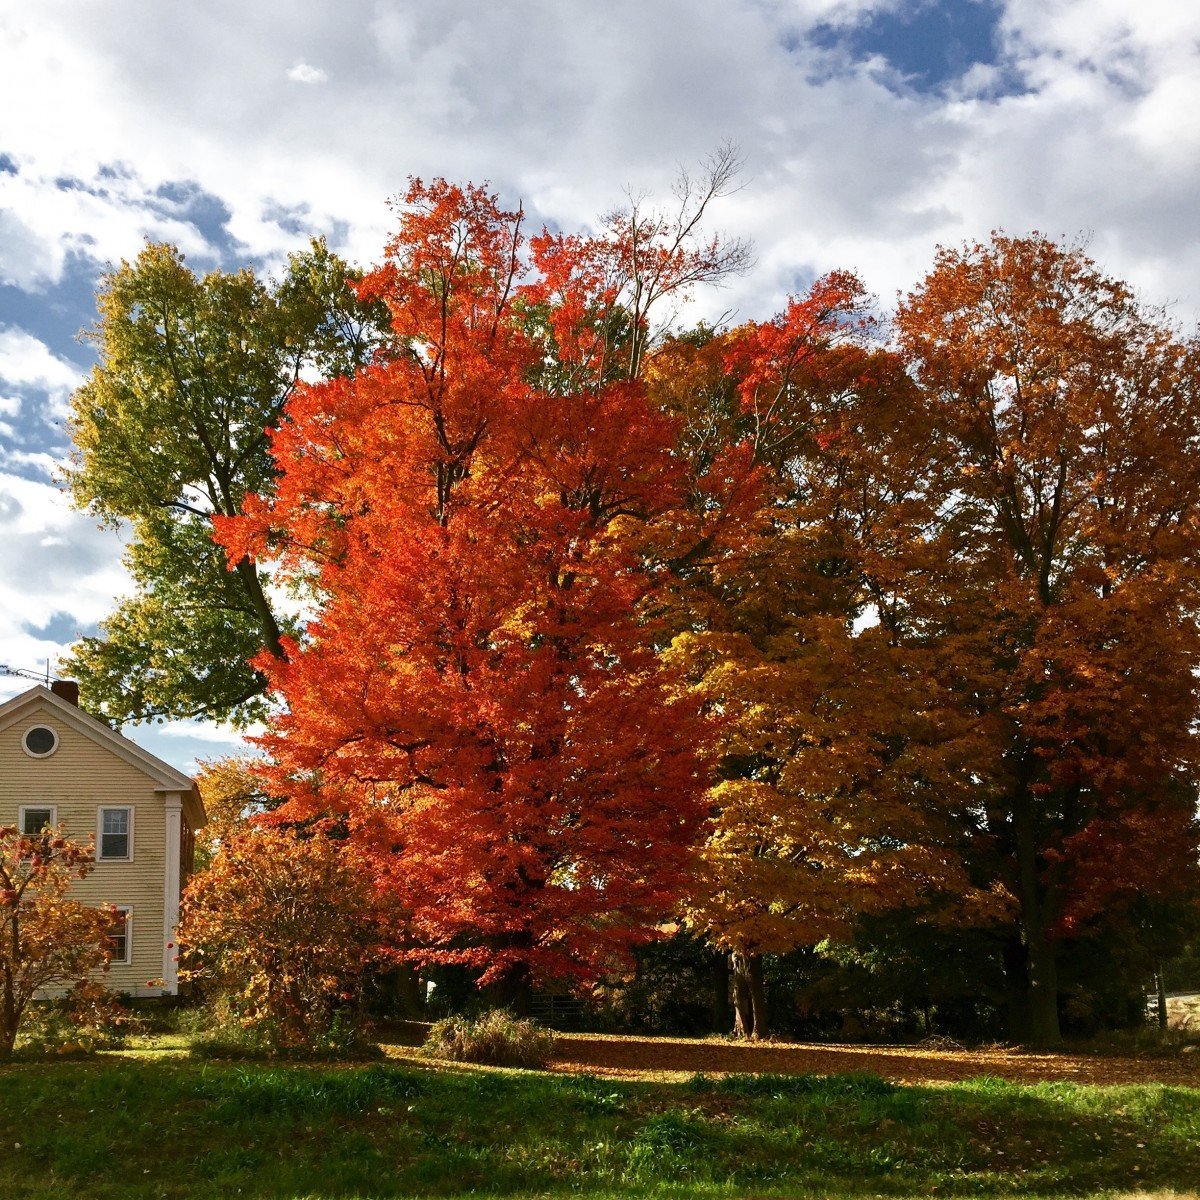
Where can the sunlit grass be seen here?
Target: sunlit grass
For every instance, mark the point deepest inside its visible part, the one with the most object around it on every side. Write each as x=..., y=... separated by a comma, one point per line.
x=146, y=1124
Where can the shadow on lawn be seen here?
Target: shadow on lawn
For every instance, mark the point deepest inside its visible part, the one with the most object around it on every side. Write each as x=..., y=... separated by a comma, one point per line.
x=383, y=1131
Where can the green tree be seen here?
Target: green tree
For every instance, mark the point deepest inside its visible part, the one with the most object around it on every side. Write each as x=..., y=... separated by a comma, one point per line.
x=171, y=429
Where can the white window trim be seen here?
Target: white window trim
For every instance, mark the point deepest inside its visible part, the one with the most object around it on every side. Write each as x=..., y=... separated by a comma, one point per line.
x=100, y=811
x=127, y=909
x=24, y=808
x=39, y=725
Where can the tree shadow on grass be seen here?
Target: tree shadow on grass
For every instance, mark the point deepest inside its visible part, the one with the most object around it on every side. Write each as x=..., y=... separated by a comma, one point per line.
x=140, y=1129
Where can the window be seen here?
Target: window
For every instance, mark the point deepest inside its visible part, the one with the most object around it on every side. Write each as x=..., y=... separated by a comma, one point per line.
x=40, y=741
x=120, y=937
x=35, y=818
x=115, y=835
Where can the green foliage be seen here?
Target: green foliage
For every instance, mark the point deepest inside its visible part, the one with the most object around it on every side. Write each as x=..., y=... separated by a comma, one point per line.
x=170, y=429
x=671, y=991
x=497, y=1038
x=85, y=1020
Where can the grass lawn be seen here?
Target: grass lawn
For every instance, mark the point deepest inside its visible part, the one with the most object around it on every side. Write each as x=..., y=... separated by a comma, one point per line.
x=163, y=1126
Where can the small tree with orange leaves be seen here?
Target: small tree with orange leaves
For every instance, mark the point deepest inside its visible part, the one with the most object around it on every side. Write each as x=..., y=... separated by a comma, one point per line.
x=46, y=939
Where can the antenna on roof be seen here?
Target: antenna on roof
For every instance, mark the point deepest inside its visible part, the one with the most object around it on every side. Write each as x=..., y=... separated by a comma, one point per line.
x=40, y=676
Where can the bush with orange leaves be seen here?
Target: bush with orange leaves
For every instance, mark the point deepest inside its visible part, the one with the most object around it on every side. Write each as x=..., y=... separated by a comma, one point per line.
x=282, y=926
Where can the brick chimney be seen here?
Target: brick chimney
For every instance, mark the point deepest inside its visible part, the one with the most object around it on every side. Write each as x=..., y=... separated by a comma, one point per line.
x=67, y=689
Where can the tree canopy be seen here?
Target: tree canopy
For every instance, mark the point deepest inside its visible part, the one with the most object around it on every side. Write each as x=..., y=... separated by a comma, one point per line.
x=169, y=430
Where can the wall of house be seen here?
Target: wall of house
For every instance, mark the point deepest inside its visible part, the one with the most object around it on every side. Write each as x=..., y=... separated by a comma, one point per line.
x=78, y=778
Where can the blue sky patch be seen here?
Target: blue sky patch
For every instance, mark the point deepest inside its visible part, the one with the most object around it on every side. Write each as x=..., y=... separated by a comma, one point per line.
x=930, y=42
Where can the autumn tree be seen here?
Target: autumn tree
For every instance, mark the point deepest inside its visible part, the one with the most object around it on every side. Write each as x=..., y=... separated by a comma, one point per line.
x=479, y=700
x=233, y=795
x=833, y=782
x=1058, y=607
x=47, y=940
x=603, y=301
x=169, y=430
x=284, y=925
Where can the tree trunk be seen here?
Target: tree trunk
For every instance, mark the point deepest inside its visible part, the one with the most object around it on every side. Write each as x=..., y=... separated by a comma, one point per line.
x=9, y=1018
x=406, y=992
x=743, y=1006
x=721, y=1015
x=1041, y=966
x=1043, y=994
x=1161, y=988
x=1017, y=1022
x=758, y=998
x=749, y=995
x=514, y=991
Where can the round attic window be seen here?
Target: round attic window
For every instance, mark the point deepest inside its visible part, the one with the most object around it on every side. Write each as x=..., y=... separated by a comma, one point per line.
x=40, y=741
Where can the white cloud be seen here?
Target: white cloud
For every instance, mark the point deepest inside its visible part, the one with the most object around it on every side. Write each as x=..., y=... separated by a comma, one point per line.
x=210, y=731
x=563, y=104
x=302, y=72
x=59, y=568
x=27, y=362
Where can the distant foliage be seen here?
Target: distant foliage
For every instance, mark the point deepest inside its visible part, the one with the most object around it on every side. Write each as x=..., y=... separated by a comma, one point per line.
x=498, y=1039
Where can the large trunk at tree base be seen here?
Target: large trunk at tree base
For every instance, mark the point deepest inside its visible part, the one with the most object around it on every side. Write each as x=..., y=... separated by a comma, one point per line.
x=721, y=1015
x=1043, y=995
x=758, y=997
x=404, y=992
x=1031, y=979
x=514, y=991
x=1036, y=905
x=750, y=995
x=743, y=1009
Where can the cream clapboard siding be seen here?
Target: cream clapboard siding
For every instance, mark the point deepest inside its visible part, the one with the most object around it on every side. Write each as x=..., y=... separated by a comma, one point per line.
x=78, y=778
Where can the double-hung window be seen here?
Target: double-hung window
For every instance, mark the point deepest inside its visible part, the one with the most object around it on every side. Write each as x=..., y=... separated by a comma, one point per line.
x=114, y=837
x=36, y=817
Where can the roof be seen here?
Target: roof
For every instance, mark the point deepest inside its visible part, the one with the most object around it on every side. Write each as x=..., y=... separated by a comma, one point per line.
x=166, y=777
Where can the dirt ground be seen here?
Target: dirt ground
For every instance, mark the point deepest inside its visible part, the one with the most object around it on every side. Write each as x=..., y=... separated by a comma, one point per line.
x=669, y=1058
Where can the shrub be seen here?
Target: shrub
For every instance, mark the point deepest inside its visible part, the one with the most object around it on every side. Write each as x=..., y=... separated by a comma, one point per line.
x=47, y=940
x=217, y=1031
x=281, y=926
x=88, y=1018
x=497, y=1038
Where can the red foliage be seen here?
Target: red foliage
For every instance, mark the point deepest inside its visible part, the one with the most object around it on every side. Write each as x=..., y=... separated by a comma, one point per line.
x=477, y=695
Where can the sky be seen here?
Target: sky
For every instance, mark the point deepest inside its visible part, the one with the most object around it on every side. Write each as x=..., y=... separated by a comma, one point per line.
x=872, y=131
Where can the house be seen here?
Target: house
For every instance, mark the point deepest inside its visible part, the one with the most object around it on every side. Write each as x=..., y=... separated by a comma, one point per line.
x=58, y=765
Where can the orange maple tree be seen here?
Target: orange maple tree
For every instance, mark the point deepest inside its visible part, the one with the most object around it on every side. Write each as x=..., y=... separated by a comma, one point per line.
x=479, y=699
x=833, y=784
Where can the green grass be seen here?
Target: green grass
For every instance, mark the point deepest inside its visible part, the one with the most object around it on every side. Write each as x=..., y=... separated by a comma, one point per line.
x=164, y=1127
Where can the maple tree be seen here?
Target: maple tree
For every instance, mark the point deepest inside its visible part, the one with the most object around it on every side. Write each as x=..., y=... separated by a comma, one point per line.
x=47, y=940
x=168, y=430
x=284, y=925
x=827, y=764
x=1052, y=580
x=479, y=699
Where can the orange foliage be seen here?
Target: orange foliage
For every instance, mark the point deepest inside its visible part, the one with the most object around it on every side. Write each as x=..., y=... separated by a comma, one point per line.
x=47, y=940
x=478, y=697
